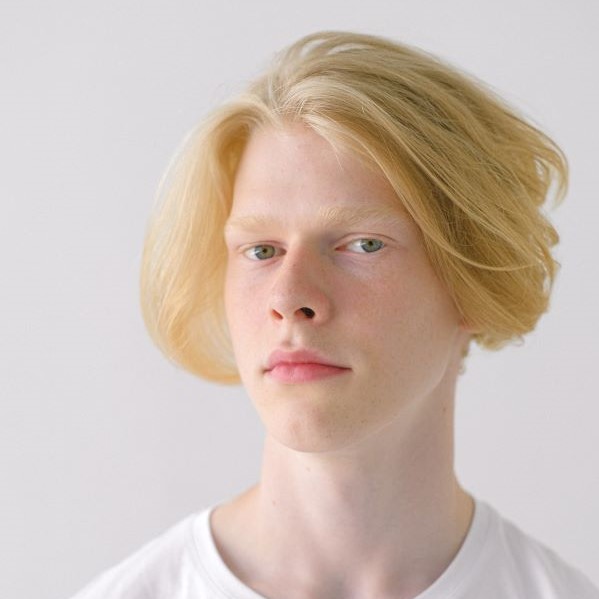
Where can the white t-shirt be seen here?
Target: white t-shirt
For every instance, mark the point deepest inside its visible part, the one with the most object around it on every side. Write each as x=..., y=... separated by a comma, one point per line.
x=496, y=561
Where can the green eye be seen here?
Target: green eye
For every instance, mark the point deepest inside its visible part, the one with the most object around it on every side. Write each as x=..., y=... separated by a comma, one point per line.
x=369, y=245
x=259, y=252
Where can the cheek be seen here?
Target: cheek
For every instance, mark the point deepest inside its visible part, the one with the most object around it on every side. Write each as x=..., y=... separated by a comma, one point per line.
x=233, y=304
x=242, y=308
x=408, y=320
x=380, y=303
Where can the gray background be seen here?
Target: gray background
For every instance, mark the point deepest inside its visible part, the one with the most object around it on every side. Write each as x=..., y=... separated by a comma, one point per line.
x=103, y=443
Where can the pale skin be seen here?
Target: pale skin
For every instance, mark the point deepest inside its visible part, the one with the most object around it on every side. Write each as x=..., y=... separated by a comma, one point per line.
x=357, y=495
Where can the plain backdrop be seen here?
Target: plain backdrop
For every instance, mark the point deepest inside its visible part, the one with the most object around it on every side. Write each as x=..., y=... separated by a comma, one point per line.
x=103, y=442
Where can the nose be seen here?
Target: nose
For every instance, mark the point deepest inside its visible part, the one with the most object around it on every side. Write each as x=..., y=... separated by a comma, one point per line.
x=299, y=291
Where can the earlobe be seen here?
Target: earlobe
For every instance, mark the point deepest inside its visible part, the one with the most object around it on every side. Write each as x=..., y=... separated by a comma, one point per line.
x=467, y=328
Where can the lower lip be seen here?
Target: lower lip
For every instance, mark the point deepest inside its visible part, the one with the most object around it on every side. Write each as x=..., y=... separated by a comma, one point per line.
x=300, y=373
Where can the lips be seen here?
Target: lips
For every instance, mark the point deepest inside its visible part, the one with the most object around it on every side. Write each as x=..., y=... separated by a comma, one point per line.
x=292, y=374
x=302, y=356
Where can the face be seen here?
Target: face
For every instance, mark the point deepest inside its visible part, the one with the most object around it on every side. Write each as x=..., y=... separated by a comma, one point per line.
x=375, y=304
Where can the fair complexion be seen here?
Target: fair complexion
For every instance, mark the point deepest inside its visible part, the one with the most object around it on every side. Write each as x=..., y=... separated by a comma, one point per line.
x=357, y=495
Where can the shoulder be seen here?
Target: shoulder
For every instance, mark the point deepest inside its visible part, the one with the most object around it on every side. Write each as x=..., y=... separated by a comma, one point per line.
x=536, y=569
x=155, y=570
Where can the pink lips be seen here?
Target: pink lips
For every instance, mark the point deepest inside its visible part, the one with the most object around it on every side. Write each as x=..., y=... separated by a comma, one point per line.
x=301, y=366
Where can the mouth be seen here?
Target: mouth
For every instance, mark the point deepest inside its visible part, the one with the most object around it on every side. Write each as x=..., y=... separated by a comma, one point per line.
x=301, y=372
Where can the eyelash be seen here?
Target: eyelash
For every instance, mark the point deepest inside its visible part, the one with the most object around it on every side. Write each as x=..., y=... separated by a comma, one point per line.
x=348, y=243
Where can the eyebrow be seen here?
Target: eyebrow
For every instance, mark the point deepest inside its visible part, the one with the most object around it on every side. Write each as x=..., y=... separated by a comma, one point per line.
x=330, y=216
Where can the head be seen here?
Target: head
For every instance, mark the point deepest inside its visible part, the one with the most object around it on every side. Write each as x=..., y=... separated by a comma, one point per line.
x=468, y=173
x=322, y=257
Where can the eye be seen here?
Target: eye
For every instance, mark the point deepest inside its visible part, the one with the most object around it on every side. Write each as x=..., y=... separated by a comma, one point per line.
x=258, y=252
x=369, y=245
x=261, y=253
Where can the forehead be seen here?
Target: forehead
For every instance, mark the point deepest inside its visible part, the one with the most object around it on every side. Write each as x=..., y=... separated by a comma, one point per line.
x=295, y=174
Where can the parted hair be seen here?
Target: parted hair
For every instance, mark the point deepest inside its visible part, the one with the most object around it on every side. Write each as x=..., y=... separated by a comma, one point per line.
x=473, y=173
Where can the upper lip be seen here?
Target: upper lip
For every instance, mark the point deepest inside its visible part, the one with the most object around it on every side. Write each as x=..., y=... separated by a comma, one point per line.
x=300, y=356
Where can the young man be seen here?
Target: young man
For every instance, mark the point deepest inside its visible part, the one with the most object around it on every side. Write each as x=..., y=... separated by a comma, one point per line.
x=335, y=239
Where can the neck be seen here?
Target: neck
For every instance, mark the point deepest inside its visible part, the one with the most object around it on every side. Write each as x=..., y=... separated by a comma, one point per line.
x=383, y=517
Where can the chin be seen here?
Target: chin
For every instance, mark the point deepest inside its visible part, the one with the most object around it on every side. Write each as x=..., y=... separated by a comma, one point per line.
x=314, y=435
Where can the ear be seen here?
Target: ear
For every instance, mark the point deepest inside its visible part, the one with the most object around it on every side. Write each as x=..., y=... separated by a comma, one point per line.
x=467, y=328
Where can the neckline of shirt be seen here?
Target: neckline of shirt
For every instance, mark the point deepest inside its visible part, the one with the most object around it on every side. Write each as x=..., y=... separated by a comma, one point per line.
x=227, y=585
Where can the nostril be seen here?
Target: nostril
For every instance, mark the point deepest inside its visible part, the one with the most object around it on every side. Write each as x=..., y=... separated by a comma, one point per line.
x=308, y=312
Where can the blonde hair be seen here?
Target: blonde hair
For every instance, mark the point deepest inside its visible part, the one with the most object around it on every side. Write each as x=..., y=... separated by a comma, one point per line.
x=471, y=172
